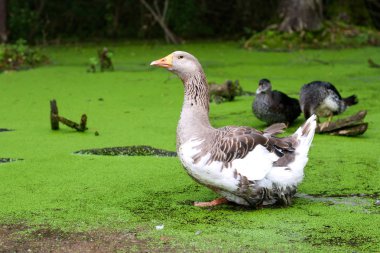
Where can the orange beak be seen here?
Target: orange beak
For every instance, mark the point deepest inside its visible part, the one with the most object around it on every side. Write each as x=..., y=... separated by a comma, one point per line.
x=166, y=62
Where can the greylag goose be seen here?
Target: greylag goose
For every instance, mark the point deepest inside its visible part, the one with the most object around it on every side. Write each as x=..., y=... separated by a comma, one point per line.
x=243, y=165
x=323, y=99
x=274, y=106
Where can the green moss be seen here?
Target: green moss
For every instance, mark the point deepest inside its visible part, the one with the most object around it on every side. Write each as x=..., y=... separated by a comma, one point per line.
x=140, y=105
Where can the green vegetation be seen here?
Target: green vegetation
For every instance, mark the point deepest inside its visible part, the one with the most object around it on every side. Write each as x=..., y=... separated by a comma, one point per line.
x=333, y=35
x=20, y=56
x=52, y=188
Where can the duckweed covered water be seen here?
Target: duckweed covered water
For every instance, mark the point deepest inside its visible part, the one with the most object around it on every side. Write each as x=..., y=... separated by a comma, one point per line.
x=54, y=189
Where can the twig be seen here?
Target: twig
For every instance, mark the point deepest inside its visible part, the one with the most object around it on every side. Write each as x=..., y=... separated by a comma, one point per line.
x=160, y=18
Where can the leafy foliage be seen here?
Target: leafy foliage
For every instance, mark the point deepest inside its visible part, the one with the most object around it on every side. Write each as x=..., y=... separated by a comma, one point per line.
x=41, y=21
x=333, y=35
x=20, y=56
x=52, y=21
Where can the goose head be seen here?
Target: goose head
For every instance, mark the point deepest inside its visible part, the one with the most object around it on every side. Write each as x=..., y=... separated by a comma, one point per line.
x=181, y=63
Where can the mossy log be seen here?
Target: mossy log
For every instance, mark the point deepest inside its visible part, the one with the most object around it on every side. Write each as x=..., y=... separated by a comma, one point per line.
x=79, y=127
x=350, y=126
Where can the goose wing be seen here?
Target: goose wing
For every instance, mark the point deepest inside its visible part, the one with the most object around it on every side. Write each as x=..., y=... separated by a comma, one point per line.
x=250, y=152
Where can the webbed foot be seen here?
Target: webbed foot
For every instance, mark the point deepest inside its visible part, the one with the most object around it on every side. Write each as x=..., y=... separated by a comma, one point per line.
x=215, y=202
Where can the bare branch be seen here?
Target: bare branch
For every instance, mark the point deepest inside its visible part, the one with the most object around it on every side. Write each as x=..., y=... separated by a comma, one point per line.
x=155, y=4
x=166, y=4
x=169, y=36
x=150, y=9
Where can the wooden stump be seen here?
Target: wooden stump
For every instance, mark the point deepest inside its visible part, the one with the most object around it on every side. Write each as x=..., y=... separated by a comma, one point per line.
x=54, y=115
x=83, y=122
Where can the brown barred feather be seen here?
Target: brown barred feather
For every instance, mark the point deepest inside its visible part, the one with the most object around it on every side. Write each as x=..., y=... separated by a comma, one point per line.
x=230, y=143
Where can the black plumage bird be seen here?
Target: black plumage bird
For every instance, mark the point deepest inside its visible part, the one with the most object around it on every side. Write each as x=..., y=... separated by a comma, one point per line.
x=274, y=106
x=323, y=99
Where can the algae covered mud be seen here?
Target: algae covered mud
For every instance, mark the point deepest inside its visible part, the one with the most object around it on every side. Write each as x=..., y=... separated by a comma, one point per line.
x=128, y=196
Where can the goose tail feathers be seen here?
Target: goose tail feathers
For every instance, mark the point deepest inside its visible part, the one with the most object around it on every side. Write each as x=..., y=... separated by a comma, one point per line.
x=304, y=136
x=305, y=133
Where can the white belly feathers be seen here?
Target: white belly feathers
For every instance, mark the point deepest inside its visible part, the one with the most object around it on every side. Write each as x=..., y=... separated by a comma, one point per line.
x=211, y=174
x=255, y=166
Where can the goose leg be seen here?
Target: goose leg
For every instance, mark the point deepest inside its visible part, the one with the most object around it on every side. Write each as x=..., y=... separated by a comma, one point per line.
x=215, y=202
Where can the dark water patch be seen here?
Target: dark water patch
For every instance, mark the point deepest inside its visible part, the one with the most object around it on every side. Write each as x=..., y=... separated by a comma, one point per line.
x=128, y=151
x=5, y=130
x=8, y=160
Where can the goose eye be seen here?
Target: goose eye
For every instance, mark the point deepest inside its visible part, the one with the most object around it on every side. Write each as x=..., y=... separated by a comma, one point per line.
x=180, y=57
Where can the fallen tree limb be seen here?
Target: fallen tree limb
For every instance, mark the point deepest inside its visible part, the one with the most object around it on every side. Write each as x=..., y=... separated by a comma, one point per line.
x=350, y=126
x=160, y=17
x=79, y=127
x=352, y=131
x=55, y=119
